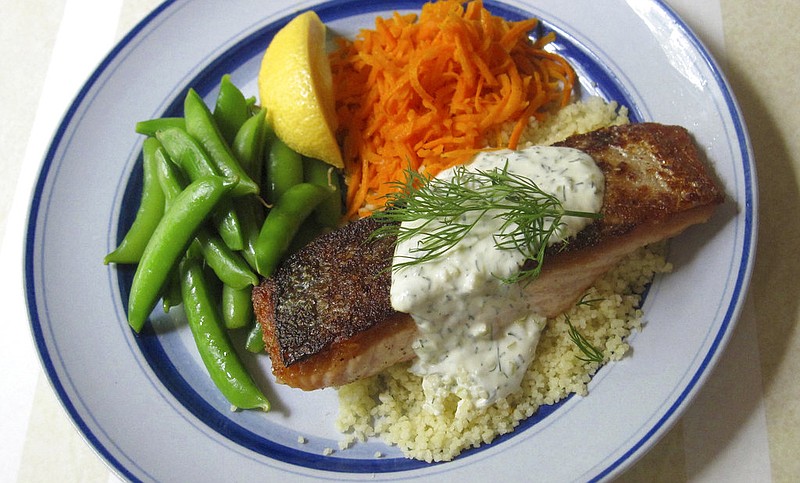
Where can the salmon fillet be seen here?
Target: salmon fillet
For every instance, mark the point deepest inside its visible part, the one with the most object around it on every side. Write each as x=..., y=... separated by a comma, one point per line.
x=326, y=315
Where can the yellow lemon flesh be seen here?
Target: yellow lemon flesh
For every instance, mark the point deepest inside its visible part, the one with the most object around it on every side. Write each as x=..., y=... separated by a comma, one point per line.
x=295, y=85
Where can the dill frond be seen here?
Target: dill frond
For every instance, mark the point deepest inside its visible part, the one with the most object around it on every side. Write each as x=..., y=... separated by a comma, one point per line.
x=590, y=352
x=441, y=212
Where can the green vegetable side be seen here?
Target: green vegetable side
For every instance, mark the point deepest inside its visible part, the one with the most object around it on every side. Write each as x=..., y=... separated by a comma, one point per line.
x=220, y=191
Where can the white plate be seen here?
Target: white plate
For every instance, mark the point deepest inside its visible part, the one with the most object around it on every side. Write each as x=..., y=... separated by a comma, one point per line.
x=146, y=404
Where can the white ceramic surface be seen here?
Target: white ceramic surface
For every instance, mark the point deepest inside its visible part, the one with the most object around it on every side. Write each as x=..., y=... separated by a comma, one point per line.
x=145, y=402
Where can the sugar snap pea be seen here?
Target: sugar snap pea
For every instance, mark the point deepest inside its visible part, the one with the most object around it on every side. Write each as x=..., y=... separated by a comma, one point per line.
x=284, y=170
x=169, y=179
x=219, y=357
x=171, y=294
x=152, y=126
x=229, y=265
x=255, y=339
x=187, y=153
x=200, y=124
x=228, y=224
x=250, y=142
x=249, y=147
x=151, y=209
x=251, y=214
x=237, y=307
x=231, y=109
x=282, y=223
x=328, y=213
x=171, y=185
x=170, y=239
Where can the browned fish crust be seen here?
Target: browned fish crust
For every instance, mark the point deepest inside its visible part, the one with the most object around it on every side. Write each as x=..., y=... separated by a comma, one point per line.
x=326, y=314
x=334, y=288
x=327, y=306
x=652, y=171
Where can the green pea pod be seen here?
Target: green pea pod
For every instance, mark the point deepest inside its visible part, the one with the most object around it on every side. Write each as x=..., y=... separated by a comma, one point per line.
x=237, y=306
x=249, y=143
x=187, y=153
x=283, y=222
x=191, y=157
x=212, y=281
x=169, y=179
x=228, y=224
x=151, y=209
x=251, y=214
x=249, y=146
x=255, y=339
x=229, y=266
x=200, y=124
x=328, y=213
x=231, y=109
x=171, y=185
x=152, y=126
x=284, y=170
x=170, y=239
x=219, y=357
x=171, y=296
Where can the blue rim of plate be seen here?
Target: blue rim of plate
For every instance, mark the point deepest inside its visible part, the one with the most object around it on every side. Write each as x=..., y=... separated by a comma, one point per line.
x=208, y=78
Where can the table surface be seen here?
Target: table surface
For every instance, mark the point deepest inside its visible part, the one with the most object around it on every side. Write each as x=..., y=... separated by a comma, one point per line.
x=743, y=426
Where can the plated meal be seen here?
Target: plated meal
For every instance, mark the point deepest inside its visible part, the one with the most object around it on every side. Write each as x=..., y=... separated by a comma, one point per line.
x=389, y=240
x=425, y=218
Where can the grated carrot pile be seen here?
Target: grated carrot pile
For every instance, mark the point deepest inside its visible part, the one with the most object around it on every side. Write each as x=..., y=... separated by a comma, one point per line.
x=428, y=92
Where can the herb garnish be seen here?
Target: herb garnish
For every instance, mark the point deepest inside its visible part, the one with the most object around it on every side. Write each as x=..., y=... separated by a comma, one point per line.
x=437, y=210
x=591, y=353
x=589, y=302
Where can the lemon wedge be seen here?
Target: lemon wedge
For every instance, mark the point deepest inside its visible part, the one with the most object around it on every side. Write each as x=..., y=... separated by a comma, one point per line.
x=295, y=85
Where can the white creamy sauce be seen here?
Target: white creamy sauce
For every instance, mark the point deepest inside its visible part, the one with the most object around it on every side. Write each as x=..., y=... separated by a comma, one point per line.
x=478, y=334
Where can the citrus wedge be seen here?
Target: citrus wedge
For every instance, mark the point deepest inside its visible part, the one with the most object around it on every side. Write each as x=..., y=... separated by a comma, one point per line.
x=296, y=87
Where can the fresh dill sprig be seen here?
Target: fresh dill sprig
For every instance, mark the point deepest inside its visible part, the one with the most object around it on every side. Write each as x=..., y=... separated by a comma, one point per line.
x=588, y=302
x=591, y=353
x=443, y=211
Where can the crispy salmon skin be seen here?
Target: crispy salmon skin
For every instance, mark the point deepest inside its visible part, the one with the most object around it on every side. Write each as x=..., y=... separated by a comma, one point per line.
x=326, y=315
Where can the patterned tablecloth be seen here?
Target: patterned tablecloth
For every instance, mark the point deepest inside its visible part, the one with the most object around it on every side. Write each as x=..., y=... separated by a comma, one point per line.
x=743, y=426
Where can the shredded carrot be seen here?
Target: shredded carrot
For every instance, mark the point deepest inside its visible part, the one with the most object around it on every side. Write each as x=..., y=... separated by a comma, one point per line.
x=427, y=92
